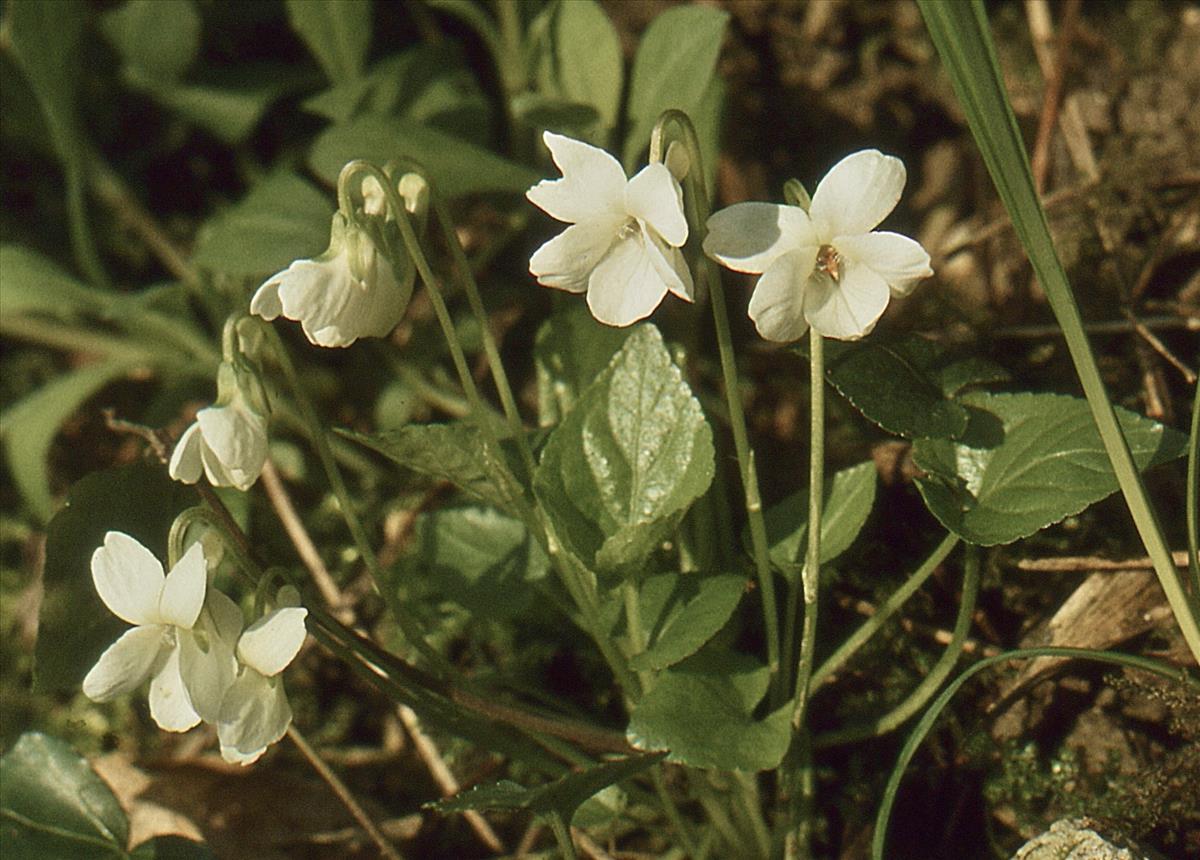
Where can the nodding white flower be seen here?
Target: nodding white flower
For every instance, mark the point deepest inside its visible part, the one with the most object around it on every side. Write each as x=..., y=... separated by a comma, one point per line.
x=823, y=268
x=623, y=243
x=163, y=608
x=348, y=292
x=254, y=711
x=227, y=443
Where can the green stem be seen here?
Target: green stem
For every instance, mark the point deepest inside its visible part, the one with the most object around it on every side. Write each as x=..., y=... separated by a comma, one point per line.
x=1192, y=505
x=681, y=828
x=696, y=204
x=926, y=722
x=562, y=835
x=408, y=624
x=863, y=634
x=916, y=700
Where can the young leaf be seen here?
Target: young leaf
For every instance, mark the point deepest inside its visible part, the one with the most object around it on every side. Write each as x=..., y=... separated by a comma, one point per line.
x=849, y=498
x=52, y=804
x=283, y=218
x=701, y=712
x=74, y=627
x=695, y=610
x=338, y=32
x=627, y=462
x=158, y=39
x=674, y=63
x=1027, y=461
x=570, y=351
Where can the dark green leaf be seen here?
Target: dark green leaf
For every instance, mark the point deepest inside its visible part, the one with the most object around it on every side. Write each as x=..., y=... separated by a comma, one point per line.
x=158, y=38
x=171, y=848
x=283, y=218
x=570, y=351
x=227, y=102
x=337, y=32
x=455, y=166
x=74, y=626
x=697, y=608
x=52, y=804
x=1027, y=461
x=34, y=283
x=629, y=460
x=29, y=427
x=849, y=498
x=700, y=711
x=675, y=62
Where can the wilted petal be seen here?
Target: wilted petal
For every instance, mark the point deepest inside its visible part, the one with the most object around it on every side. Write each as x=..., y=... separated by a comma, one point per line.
x=749, y=237
x=778, y=303
x=185, y=463
x=128, y=578
x=566, y=261
x=655, y=197
x=254, y=715
x=183, y=592
x=272, y=642
x=857, y=193
x=125, y=664
x=592, y=186
x=170, y=705
x=848, y=308
x=899, y=260
x=625, y=287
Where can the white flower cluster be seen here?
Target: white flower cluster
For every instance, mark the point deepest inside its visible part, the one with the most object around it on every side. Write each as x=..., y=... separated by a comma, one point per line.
x=189, y=640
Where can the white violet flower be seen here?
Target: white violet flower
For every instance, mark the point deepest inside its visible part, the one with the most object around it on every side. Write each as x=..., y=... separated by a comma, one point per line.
x=227, y=443
x=164, y=609
x=823, y=268
x=622, y=247
x=348, y=292
x=255, y=712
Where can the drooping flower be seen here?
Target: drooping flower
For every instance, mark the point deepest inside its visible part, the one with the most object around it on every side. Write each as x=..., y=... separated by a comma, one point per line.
x=823, y=268
x=622, y=247
x=348, y=292
x=227, y=443
x=255, y=712
x=163, y=609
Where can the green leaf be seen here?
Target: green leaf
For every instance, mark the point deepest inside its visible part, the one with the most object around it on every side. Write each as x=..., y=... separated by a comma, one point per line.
x=693, y=613
x=571, y=349
x=74, y=626
x=588, y=67
x=896, y=384
x=1026, y=462
x=338, y=32
x=563, y=796
x=52, y=804
x=849, y=498
x=455, y=166
x=33, y=283
x=283, y=218
x=477, y=557
x=171, y=848
x=701, y=712
x=675, y=62
x=29, y=427
x=158, y=38
x=625, y=464
x=227, y=102
x=452, y=452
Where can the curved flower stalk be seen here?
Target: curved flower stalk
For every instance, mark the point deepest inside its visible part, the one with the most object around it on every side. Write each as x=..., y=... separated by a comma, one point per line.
x=164, y=609
x=348, y=292
x=622, y=247
x=826, y=268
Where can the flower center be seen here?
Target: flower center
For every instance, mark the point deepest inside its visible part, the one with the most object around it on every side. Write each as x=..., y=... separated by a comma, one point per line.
x=829, y=261
x=629, y=229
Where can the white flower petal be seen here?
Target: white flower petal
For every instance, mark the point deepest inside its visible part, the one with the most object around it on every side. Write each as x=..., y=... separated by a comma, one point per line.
x=265, y=302
x=125, y=664
x=272, y=642
x=748, y=237
x=183, y=591
x=671, y=266
x=857, y=193
x=654, y=197
x=170, y=705
x=566, y=261
x=208, y=667
x=625, y=287
x=226, y=617
x=128, y=578
x=899, y=260
x=185, y=459
x=592, y=185
x=848, y=308
x=778, y=303
x=254, y=715
x=236, y=438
